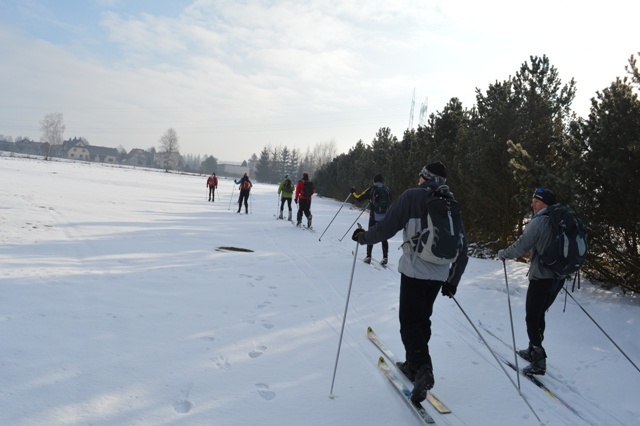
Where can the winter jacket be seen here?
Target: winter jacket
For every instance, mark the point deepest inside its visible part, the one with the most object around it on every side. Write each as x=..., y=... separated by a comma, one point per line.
x=535, y=238
x=286, y=194
x=300, y=190
x=212, y=182
x=406, y=213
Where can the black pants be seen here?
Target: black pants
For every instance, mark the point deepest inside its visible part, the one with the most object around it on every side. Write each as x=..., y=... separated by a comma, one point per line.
x=212, y=193
x=244, y=195
x=416, y=306
x=385, y=243
x=304, y=206
x=539, y=298
x=282, y=200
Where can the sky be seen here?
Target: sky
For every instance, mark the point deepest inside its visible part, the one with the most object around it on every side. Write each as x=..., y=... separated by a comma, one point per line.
x=232, y=77
x=122, y=303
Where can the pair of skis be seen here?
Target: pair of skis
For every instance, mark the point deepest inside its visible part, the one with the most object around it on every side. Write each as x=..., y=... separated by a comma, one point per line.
x=395, y=378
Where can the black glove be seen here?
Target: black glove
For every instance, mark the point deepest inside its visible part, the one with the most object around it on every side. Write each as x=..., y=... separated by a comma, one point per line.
x=353, y=190
x=296, y=200
x=357, y=233
x=449, y=290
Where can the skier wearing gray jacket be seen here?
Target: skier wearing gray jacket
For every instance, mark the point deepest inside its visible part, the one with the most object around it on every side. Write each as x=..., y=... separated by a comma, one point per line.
x=420, y=281
x=536, y=238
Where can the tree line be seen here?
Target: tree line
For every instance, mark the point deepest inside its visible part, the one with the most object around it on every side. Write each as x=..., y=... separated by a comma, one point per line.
x=276, y=162
x=522, y=134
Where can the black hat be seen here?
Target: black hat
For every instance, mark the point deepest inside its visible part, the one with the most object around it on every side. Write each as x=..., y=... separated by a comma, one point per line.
x=431, y=170
x=378, y=178
x=545, y=195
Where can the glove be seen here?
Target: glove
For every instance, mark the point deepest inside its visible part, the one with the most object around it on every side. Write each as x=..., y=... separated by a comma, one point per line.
x=296, y=200
x=353, y=190
x=449, y=289
x=356, y=234
x=501, y=254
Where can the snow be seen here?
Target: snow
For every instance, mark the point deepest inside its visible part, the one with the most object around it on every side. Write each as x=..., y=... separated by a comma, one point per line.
x=118, y=307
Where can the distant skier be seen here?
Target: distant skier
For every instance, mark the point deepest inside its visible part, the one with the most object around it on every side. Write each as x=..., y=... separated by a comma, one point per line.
x=304, y=191
x=245, y=188
x=212, y=184
x=286, y=189
x=379, y=197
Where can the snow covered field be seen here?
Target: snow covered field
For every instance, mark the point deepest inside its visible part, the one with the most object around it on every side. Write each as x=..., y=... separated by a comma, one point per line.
x=118, y=307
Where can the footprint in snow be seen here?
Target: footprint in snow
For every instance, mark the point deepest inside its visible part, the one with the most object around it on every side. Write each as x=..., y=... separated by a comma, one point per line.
x=259, y=350
x=182, y=406
x=264, y=391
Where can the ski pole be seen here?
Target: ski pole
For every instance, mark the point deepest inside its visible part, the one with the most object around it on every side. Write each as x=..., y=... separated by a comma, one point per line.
x=325, y=230
x=513, y=335
x=498, y=361
x=231, y=199
x=344, y=318
x=604, y=332
x=354, y=222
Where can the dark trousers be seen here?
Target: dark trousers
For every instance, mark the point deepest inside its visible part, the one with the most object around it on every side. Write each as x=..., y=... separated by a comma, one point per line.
x=244, y=195
x=539, y=298
x=385, y=243
x=416, y=306
x=304, y=206
x=212, y=193
x=282, y=200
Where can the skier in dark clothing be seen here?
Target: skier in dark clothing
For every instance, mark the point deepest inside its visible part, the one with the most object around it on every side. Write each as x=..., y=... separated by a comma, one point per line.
x=379, y=198
x=304, y=191
x=540, y=295
x=420, y=280
x=245, y=188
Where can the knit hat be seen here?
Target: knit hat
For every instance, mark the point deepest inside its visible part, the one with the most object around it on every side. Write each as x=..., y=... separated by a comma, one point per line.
x=286, y=176
x=378, y=178
x=305, y=176
x=432, y=170
x=545, y=195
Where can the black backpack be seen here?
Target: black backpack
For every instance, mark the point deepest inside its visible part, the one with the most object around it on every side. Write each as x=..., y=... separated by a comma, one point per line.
x=307, y=189
x=440, y=240
x=381, y=199
x=567, y=250
x=288, y=185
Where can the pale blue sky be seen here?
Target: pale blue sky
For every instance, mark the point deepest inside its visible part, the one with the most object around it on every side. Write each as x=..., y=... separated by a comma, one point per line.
x=233, y=76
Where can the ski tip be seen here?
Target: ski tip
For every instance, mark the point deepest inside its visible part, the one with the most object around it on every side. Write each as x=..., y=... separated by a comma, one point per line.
x=369, y=330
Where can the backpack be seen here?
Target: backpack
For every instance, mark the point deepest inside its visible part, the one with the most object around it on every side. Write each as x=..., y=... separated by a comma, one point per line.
x=307, y=189
x=440, y=239
x=288, y=185
x=245, y=185
x=567, y=250
x=380, y=199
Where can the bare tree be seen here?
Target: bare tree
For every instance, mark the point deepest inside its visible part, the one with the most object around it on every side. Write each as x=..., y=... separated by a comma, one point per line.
x=52, y=127
x=169, y=149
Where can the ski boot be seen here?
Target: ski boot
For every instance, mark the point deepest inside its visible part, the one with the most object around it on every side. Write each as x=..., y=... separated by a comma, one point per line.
x=538, y=362
x=384, y=261
x=281, y=217
x=290, y=220
x=525, y=353
x=409, y=370
x=423, y=382
x=309, y=221
x=367, y=260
